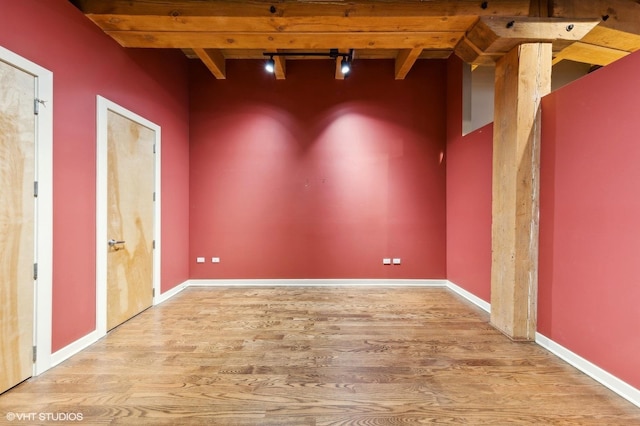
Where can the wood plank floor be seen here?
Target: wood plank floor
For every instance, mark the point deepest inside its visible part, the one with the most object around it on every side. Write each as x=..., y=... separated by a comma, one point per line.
x=316, y=356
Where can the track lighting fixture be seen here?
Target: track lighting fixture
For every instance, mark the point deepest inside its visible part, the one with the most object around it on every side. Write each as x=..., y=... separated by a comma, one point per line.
x=270, y=65
x=345, y=64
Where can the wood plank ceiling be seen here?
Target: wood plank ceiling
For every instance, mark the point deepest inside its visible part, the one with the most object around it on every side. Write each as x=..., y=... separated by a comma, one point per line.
x=596, y=32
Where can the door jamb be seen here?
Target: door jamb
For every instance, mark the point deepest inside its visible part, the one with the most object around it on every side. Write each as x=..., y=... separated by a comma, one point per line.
x=103, y=106
x=43, y=310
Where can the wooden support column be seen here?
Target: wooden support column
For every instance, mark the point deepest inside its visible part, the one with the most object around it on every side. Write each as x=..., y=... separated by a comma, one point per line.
x=523, y=77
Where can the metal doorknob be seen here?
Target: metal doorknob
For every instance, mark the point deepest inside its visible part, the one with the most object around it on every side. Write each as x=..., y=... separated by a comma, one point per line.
x=113, y=242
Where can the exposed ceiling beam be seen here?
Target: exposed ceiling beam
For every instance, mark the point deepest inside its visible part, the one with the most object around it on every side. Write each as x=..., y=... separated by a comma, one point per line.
x=501, y=34
x=282, y=25
x=265, y=40
x=621, y=15
x=405, y=60
x=612, y=38
x=589, y=54
x=279, y=67
x=214, y=60
x=182, y=10
x=479, y=32
x=492, y=37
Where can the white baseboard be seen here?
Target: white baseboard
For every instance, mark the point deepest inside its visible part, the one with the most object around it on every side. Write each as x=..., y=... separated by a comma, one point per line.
x=73, y=348
x=163, y=297
x=608, y=380
x=88, y=340
x=316, y=283
x=486, y=306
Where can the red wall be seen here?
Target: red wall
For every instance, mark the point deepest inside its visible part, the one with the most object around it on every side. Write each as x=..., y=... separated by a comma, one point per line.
x=85, y=63
x=469, y=161
x=316, y=178
x=589, y=210
x=313, y=177
x=589, y=281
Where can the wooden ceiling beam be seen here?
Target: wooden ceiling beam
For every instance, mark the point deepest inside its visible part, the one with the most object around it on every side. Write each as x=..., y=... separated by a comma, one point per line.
x=501, y=34
x=214, y=60
x=283, y=25
x=492, y=37
x=218, y=40
x=589, y=54
x=279, y=67
x=182, y=9
x=621, y=15
x=614, y=39
x=405, y=60
x=478, y=32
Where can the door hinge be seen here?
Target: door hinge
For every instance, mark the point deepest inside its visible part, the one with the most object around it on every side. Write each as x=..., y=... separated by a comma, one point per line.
x=35, y=189
x=154, y=196
x=153, y=292
x=153, y=245
x=35, y=271
x=35, y=353
x=154, y=148
x=36, y=105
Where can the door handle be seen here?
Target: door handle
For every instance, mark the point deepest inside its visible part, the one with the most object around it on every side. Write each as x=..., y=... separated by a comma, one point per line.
x=113, y=242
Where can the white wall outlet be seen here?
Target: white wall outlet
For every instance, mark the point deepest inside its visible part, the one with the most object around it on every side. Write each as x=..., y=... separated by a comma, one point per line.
x=215, y=260
x=200, y=260
x=386, y=261
x=396, y=260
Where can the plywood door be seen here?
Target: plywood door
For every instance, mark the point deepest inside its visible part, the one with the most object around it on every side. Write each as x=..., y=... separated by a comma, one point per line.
x=130, y=187
x=17, y=252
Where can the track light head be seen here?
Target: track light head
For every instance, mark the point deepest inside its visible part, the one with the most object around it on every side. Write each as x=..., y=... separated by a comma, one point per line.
x=345, y=66
x=270, y=65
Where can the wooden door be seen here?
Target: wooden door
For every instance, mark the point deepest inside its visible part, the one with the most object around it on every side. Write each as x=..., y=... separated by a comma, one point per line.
x=17, y=211
x=130, y=207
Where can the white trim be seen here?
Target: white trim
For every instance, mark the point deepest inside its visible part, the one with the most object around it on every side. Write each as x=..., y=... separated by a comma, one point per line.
x=91, y=338
x=485, y=306
x=314, y=283
x=74, y=347
x=103, y=106
x=44, y=219
x=608, y=380
x=169, y=293
x=605, y=378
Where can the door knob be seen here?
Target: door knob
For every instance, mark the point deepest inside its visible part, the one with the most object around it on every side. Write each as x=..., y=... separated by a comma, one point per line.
x=113, y=242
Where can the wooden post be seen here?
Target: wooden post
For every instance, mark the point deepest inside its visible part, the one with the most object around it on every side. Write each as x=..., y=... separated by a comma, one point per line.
x=523, y=77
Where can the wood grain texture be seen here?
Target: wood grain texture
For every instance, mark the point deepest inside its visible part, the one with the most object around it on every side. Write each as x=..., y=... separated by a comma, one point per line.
x=438, y=40
x=478, y=32
x=523, y=77
x=317, y=356
x=17, y=250
x=129, y=218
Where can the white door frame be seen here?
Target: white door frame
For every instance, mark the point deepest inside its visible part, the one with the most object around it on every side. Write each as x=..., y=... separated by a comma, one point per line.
x=44, y=206
x=103, y=106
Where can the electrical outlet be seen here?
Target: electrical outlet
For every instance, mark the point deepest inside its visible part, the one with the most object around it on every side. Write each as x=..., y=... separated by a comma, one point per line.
x=215, y=260
x=396, y=261
x=386, y=261
x=200, y=260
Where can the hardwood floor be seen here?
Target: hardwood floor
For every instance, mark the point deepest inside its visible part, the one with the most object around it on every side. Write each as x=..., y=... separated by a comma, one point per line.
x=315, y=356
